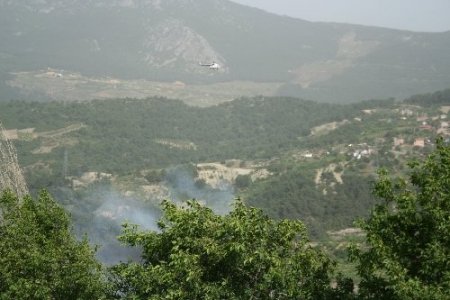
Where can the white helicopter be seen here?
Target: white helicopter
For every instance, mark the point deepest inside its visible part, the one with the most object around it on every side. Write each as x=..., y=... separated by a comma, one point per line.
x=213, y=66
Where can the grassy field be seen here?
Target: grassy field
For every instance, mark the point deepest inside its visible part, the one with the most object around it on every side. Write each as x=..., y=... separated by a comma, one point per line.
x=65, y=86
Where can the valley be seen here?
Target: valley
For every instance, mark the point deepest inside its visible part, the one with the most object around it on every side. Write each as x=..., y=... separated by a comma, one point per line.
x=293, y=158
x=52, y=84
x=203, y=149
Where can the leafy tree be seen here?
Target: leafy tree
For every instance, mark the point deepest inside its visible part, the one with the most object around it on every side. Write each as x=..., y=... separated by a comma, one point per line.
x=408, y=235
x=39, y=257
x=242, y=255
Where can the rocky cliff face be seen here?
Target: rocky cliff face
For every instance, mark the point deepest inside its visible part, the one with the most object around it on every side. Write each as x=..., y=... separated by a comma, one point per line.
x=171, y=43
x=10, y=174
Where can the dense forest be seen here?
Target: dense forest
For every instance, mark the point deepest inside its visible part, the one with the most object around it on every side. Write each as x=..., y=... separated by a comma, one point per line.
x=123, y=134
x=436, y=98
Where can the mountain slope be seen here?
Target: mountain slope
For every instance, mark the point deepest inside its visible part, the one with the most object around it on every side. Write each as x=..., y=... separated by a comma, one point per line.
x=165, y=41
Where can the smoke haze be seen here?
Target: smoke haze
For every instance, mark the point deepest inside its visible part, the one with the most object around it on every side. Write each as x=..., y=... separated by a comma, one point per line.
x=101, y=211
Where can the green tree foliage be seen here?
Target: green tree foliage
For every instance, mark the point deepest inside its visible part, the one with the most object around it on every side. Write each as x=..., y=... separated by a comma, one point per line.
x=408, y=254
x=436, y=98
x=293, y=194
x=242, y=255
x=39, y=257
x=126, y=135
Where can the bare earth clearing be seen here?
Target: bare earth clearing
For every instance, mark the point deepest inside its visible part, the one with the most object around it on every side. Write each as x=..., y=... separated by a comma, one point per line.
x=50, y=139
x=327, y=128
x=216, y=173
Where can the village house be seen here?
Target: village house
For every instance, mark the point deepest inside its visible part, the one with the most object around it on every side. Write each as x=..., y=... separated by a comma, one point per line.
x=422, y=118
x=398, y=141
x=444, y=130
x=419, y=142
x=406, y=112
x=426, y=127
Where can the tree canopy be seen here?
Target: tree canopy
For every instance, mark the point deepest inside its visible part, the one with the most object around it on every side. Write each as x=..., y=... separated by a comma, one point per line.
x=408, y=253
x=243, y=255
x=39, y=256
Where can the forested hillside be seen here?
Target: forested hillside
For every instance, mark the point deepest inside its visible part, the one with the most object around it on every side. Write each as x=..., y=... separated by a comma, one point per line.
x=293, y=158
x=121, y=135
